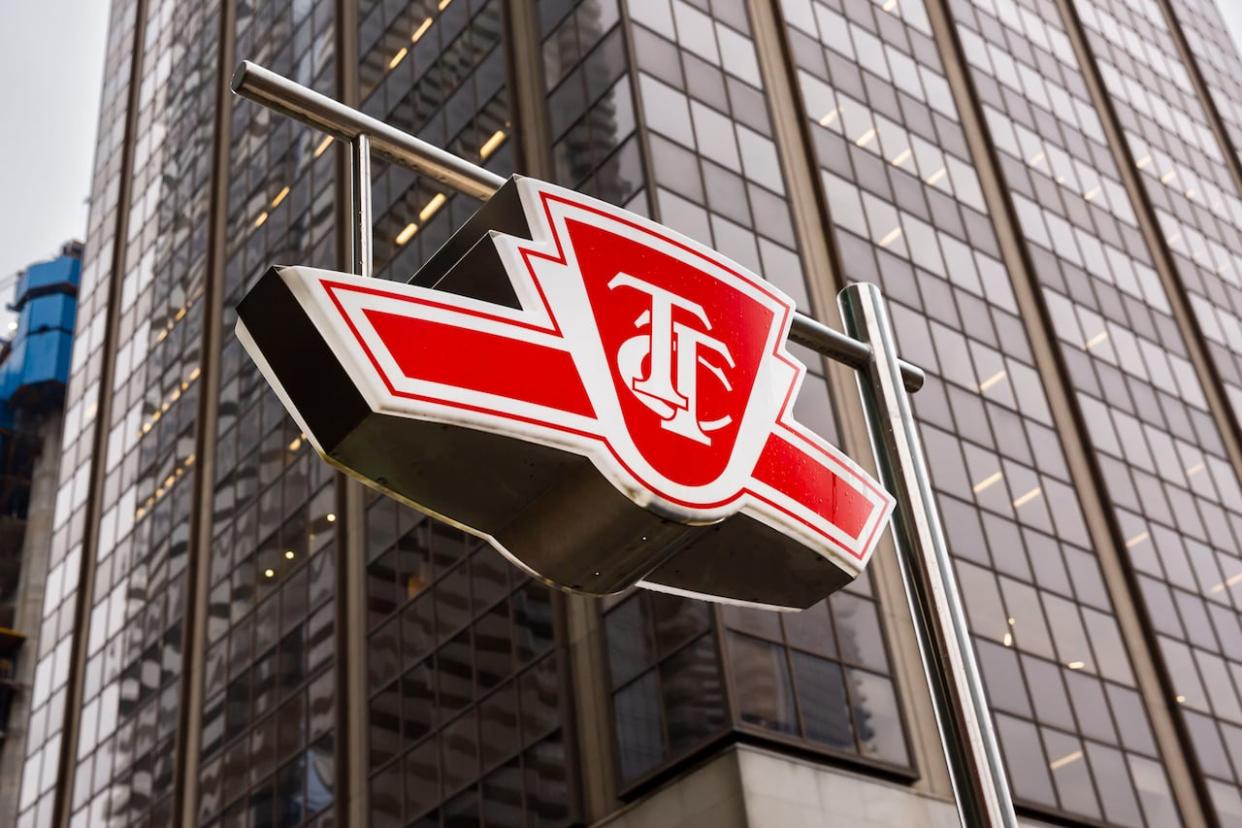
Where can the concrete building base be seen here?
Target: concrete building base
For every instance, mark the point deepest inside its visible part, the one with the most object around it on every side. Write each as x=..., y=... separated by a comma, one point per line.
x=750, y=787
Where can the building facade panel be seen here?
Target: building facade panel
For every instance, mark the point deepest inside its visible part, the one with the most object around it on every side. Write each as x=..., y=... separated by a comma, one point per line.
x=438, y=71
x=1195, y=197
x=908, y=213
x=1182, y=165
x=1167, y=476
x=131, y=682
x=84, y=394
x=1216, y=55
x=268, y=714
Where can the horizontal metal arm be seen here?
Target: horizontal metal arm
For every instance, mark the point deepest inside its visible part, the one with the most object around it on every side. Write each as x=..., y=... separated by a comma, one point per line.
x=265, y=87
x=846, y=349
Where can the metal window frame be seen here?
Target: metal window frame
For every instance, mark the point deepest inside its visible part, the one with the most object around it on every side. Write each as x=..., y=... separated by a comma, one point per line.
x=885, y=381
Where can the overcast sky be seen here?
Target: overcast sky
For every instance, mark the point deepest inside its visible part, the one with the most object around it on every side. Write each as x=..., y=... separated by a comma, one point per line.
x=51, y=60
x=1232, y=11
x=51, y=57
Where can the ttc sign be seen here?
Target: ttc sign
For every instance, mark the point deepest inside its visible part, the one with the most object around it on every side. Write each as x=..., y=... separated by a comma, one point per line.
x=604, y=400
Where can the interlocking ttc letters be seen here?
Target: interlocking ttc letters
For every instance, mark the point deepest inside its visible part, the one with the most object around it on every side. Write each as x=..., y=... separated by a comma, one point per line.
x=647, y=362
x=603, y=399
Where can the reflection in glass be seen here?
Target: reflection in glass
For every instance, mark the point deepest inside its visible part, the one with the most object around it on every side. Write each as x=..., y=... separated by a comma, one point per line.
x=877, y=716
x=764, y=690
x=692, y=694
x=825, y=708
x=639, y=728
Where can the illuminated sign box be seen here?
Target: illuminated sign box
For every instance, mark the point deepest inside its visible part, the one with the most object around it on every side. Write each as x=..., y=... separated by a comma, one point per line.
x=605, y=400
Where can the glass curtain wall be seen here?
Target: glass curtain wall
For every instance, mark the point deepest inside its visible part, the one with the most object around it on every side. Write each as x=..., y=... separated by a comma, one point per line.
x=468, y=688
x=268, y=748
x=1196, y=494
x=908, y=213
x=1181, y=165
x=1166, y=476
x=436, y=70
x=1216, y=55
x=132, y=682
x=591, y=122
x=48, y=695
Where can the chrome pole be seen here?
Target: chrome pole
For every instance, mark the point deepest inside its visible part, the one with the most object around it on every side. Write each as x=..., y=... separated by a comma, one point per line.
x=971, y=750
x=847, y=350
x=287, y=97
x=277, y=92
x=351, y=562
x=360, y=196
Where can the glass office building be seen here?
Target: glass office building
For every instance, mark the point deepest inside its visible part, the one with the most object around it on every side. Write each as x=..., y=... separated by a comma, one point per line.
x=1049, y=193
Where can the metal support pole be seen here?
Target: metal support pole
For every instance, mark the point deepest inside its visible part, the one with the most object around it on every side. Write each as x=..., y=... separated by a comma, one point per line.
x=971, y=750
x=351, y=545
x=846, y=349
x=263, y=86
x=360, y=198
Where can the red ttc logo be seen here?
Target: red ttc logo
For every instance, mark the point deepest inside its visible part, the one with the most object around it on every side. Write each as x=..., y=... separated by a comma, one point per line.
x=660, y=361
